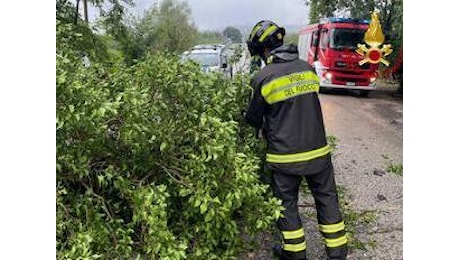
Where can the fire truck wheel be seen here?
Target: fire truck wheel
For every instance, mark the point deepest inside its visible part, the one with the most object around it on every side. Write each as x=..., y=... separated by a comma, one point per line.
x=325, y=90
x=363, y=93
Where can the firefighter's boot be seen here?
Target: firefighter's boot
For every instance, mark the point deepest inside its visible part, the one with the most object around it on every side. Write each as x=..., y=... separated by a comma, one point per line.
x=337, y=253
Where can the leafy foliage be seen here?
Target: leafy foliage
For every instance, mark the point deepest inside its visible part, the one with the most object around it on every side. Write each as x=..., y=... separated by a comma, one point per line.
x=153, y=161
x=77, y=35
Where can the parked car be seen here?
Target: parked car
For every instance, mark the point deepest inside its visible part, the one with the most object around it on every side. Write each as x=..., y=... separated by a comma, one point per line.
x=210, y=57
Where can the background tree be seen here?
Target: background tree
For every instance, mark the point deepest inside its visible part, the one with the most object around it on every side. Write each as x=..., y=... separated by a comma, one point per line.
x=167, y=29
x=321, y=8
x=233, y=33
x=291, y=38
x=175, y=30
x=209, y=37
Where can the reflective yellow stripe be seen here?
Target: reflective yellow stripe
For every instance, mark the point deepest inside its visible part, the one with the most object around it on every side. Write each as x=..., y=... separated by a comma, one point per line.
x=332, y=228
x=290, y=86
x=271, y=86
x=295, y=247
x=293, y=234
x=336, y=242
x=293, y=91
x=267, y=32
x=253, y=33
x=298, y=157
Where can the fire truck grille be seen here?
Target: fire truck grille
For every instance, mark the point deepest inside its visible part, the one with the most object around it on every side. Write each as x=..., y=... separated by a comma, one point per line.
x=342, y=64
x=347, y=79
x=365, y=66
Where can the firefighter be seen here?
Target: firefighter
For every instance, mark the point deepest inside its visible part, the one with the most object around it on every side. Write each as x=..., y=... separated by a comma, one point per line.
x=285, y=104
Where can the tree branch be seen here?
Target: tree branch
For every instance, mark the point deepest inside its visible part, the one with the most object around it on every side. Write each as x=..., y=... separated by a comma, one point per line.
x=104, y=204
x=76, y=11
x=168, y=171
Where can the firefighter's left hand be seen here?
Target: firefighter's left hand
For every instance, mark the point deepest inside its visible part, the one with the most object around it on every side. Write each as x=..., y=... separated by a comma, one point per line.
x=261, y=133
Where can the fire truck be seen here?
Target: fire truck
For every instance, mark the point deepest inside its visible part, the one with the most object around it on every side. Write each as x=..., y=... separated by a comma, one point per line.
x=329, y=46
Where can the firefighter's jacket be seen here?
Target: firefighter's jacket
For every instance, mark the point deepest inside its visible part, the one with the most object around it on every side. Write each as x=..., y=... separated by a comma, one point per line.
x=285, y=104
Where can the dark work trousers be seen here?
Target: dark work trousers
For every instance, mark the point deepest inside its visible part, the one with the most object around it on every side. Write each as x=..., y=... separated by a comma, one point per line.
x=331, y=225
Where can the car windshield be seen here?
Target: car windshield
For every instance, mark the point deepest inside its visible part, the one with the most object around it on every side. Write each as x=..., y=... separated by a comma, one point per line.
x=205, y=59
x=346, y=38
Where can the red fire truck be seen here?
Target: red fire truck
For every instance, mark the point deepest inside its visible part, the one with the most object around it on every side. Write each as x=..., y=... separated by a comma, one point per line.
x=329, y=46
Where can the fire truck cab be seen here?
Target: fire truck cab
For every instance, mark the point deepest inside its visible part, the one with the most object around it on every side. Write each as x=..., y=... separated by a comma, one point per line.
x=329, y=46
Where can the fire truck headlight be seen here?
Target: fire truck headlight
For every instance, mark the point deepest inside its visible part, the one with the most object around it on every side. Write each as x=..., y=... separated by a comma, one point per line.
x=373, y=79
x=328, y=75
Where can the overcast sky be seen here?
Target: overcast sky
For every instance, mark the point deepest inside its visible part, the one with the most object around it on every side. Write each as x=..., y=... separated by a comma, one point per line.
x=217, y=14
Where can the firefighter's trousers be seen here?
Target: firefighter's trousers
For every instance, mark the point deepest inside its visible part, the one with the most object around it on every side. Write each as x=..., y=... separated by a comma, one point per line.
x=331, y=225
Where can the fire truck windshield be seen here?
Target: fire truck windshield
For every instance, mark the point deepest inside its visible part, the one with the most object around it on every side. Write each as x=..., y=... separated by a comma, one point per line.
x=346, y=38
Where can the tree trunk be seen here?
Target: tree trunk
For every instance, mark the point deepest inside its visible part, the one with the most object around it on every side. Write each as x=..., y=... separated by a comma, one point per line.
x=76, y=11
x=85, y=6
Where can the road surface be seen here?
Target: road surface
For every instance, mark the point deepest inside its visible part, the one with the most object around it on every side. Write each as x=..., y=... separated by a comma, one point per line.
x=370, y=137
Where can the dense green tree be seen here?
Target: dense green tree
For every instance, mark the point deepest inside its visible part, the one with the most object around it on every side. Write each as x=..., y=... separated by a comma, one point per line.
x=168, y=28
x=175, y=30
x=233, y=34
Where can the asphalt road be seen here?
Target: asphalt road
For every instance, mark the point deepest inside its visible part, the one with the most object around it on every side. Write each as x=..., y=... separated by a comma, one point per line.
x=370, y=137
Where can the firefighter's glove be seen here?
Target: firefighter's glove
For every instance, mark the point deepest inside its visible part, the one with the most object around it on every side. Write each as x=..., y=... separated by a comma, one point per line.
x=261, y=133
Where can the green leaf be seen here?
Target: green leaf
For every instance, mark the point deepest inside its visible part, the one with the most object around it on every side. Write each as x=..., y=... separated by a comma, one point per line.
x=163, y=146
x=60, y=124
x=61, y=79
x=203, y=208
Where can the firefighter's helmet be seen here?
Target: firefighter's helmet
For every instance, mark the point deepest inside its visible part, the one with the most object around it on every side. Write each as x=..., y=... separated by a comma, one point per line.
x=265, y=34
